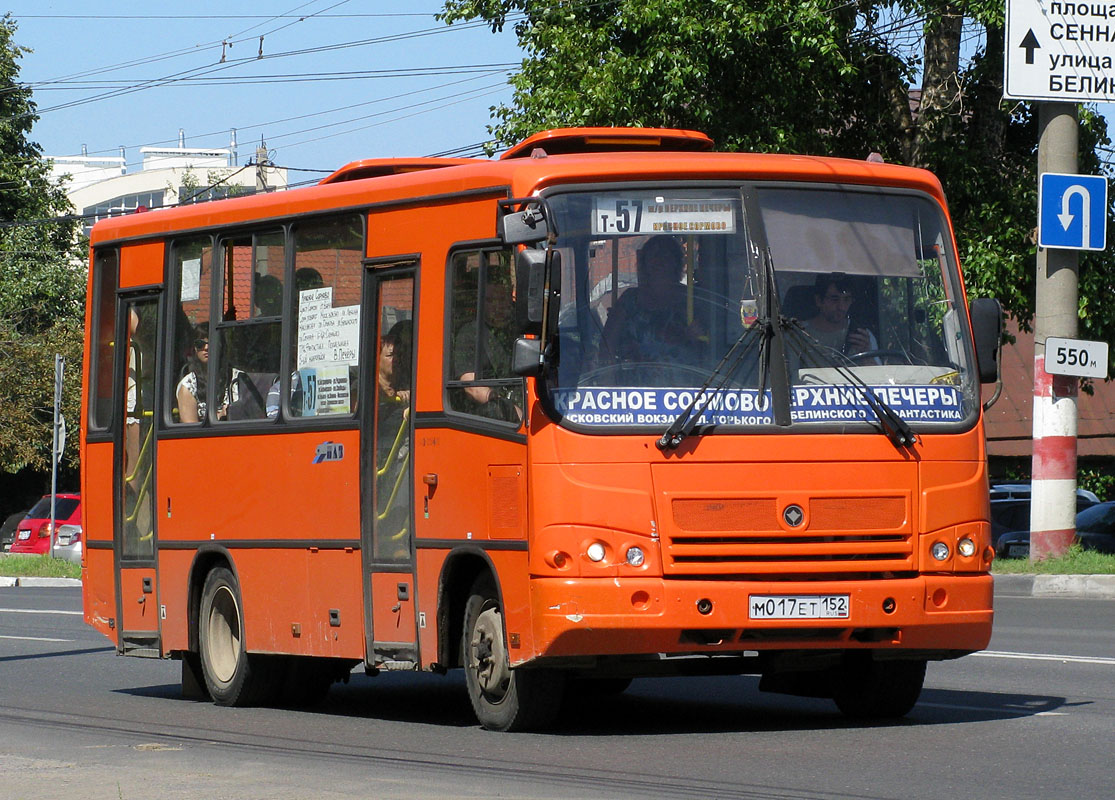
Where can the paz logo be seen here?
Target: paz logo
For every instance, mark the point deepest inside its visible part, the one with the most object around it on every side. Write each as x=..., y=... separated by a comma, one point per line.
x=792, y=515
x=329, y=451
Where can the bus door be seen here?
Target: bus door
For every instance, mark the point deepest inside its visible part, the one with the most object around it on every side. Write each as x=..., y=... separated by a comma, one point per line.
x=134, y=534
x=387, y=510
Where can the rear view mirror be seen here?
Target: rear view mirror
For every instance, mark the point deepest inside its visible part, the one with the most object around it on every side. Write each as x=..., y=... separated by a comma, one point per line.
x=530, y=277
x=987, y=330
x=527, y=224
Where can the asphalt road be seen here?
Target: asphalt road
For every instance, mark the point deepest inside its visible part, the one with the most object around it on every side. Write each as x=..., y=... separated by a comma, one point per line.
x=1034, y=717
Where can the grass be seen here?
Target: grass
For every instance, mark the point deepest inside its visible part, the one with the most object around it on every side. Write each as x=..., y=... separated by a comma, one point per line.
x=1075, y=562
x=37, y=567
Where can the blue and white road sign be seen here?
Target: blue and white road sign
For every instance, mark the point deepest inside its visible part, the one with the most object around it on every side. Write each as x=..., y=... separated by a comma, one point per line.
x=1072, y=211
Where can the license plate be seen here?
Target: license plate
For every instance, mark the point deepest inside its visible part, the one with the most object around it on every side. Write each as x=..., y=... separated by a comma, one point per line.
x=1018, y=550
x=24, y=535
x=798, y=606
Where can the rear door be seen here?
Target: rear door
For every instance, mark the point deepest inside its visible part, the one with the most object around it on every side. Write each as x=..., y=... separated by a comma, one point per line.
x=387, y=490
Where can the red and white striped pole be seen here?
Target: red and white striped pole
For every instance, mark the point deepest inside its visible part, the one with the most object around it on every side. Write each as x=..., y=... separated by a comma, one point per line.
x=1053, y=470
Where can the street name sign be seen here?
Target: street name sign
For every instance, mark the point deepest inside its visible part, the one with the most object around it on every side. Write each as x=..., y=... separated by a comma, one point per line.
x=1072, y=211
x=1075, y=357
x=1060, y=51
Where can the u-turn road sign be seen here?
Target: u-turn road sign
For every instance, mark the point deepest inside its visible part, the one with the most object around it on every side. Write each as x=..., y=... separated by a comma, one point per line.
x=1072, y=211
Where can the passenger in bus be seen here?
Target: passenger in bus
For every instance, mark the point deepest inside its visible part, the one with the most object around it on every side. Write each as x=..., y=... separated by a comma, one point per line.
x=307, y=278
x=191, y=392
x=649, y=322
x=393, y=387
x=494, y=339
x=832, y=326
x=268, y=296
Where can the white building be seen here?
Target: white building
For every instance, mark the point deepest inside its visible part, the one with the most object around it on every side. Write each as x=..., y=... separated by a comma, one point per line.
x=100, y=187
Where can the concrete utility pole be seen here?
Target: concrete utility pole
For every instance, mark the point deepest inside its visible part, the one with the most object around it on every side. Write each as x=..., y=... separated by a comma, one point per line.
x=1053, y=498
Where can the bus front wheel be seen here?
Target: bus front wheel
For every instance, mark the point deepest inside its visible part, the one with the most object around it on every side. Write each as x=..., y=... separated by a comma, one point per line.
x=868, y=689
x=503, y=699
x=233, y=677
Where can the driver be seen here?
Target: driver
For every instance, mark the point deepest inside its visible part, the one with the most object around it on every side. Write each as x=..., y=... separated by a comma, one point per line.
x=649, y=321
x=831, y=325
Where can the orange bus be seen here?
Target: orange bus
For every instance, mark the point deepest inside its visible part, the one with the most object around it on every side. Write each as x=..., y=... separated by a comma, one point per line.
x=612, y=405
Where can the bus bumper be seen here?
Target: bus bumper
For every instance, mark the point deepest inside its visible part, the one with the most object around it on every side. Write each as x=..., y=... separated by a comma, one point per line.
x=949, y=614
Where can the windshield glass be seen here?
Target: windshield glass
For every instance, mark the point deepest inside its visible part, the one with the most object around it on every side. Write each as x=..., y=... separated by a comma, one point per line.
x=665, y=301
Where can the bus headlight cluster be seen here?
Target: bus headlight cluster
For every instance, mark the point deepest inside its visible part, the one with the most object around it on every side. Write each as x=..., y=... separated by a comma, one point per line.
x=940, y=551
x=966, y=547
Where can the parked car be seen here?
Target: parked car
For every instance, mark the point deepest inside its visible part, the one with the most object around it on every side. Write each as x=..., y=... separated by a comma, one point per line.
x=8, y=529
x=1014, y=514
x=33, y=531
x=1095, y=530
x=1021, y=490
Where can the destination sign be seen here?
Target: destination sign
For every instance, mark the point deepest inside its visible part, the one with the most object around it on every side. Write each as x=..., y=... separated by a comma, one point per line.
x=642, y=213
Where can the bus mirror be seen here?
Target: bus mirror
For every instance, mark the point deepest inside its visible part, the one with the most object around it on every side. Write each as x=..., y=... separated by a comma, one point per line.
x=526, y=357
x=530, y=277
x=987, y=330
x=524, y=226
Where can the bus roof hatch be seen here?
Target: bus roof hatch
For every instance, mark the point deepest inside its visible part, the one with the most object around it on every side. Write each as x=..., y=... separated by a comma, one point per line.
x=610, y=140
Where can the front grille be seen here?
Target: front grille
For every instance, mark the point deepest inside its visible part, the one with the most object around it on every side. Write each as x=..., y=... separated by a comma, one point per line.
x=746, y=536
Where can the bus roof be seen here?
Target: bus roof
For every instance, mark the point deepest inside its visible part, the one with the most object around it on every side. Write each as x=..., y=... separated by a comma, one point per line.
x=550, y=158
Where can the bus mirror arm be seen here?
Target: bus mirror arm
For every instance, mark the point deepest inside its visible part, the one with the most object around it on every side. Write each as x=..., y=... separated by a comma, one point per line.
x=525, y=220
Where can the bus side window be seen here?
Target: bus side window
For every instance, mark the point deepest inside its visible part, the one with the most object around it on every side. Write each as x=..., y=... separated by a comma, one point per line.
x=188, y=353
x=481, y=337
x=328, y=254
x=107, y=266
x=249, y=333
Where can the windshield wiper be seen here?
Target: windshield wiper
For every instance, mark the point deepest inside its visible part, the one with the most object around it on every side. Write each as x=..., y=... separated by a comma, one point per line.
x=686, y=421
x=892, y=425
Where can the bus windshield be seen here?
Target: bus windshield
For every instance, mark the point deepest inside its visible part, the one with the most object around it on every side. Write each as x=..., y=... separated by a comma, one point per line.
x=674, y=297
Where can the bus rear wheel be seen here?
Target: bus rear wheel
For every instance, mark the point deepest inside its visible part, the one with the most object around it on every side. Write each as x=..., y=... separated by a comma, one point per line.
x=868, y=689
x=232, y=676
x=503, y=699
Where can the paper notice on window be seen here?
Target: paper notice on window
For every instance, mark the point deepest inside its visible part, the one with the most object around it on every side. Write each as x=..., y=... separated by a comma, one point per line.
x=326, y=335
x=191, y=280
x=333, y=395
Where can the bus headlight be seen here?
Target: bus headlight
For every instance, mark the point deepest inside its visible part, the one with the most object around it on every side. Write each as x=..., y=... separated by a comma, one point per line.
x=940, y=551
x=595, y=552
x=635, y=556
x=966, y=547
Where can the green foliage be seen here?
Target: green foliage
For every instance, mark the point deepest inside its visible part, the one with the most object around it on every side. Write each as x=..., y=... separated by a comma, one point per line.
x=42, y=282
x=1100, y=481
x=812, y=77
x=1076, y=561
x=17, y=566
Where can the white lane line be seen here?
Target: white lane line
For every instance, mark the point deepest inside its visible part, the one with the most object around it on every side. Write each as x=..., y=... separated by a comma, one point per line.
x=34, y=639
x=1047, y=657
x=40, y=611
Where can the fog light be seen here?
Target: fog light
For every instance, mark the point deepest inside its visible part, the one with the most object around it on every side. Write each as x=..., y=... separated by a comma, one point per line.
x=595, y=552
x=966, y=547
x=940, y=551
x=635, y=556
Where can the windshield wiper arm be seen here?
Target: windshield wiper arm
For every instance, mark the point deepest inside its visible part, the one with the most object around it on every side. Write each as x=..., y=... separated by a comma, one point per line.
x=686, y=421
x=893, y=426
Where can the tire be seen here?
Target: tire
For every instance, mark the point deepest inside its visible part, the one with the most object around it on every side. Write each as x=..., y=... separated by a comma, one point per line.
x=503, y=699
x=880, y=690
x=232, y=675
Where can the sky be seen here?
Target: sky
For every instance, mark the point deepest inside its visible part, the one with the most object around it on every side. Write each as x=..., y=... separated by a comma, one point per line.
x=338, y=81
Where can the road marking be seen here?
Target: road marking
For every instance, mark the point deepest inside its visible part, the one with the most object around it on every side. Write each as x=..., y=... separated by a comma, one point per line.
x=34, y=638
x=1047, y=657
x=40, y=611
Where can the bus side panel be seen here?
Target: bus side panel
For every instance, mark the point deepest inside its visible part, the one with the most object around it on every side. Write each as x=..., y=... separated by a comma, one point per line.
x=99, y=595
x=141, y=264
x=292, y=527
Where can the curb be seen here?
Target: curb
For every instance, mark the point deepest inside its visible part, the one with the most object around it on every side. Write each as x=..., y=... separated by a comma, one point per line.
x=52, y=583
x=1101, y=587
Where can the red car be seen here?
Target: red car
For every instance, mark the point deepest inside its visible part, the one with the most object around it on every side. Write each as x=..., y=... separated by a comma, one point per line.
x=33, y=532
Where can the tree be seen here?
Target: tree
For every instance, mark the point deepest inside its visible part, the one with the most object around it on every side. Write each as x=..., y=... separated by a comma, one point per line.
x=811, y=77
x=42, y=281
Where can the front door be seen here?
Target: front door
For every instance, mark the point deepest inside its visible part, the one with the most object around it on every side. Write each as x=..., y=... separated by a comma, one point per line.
x=387, y=538
x=135, y=539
